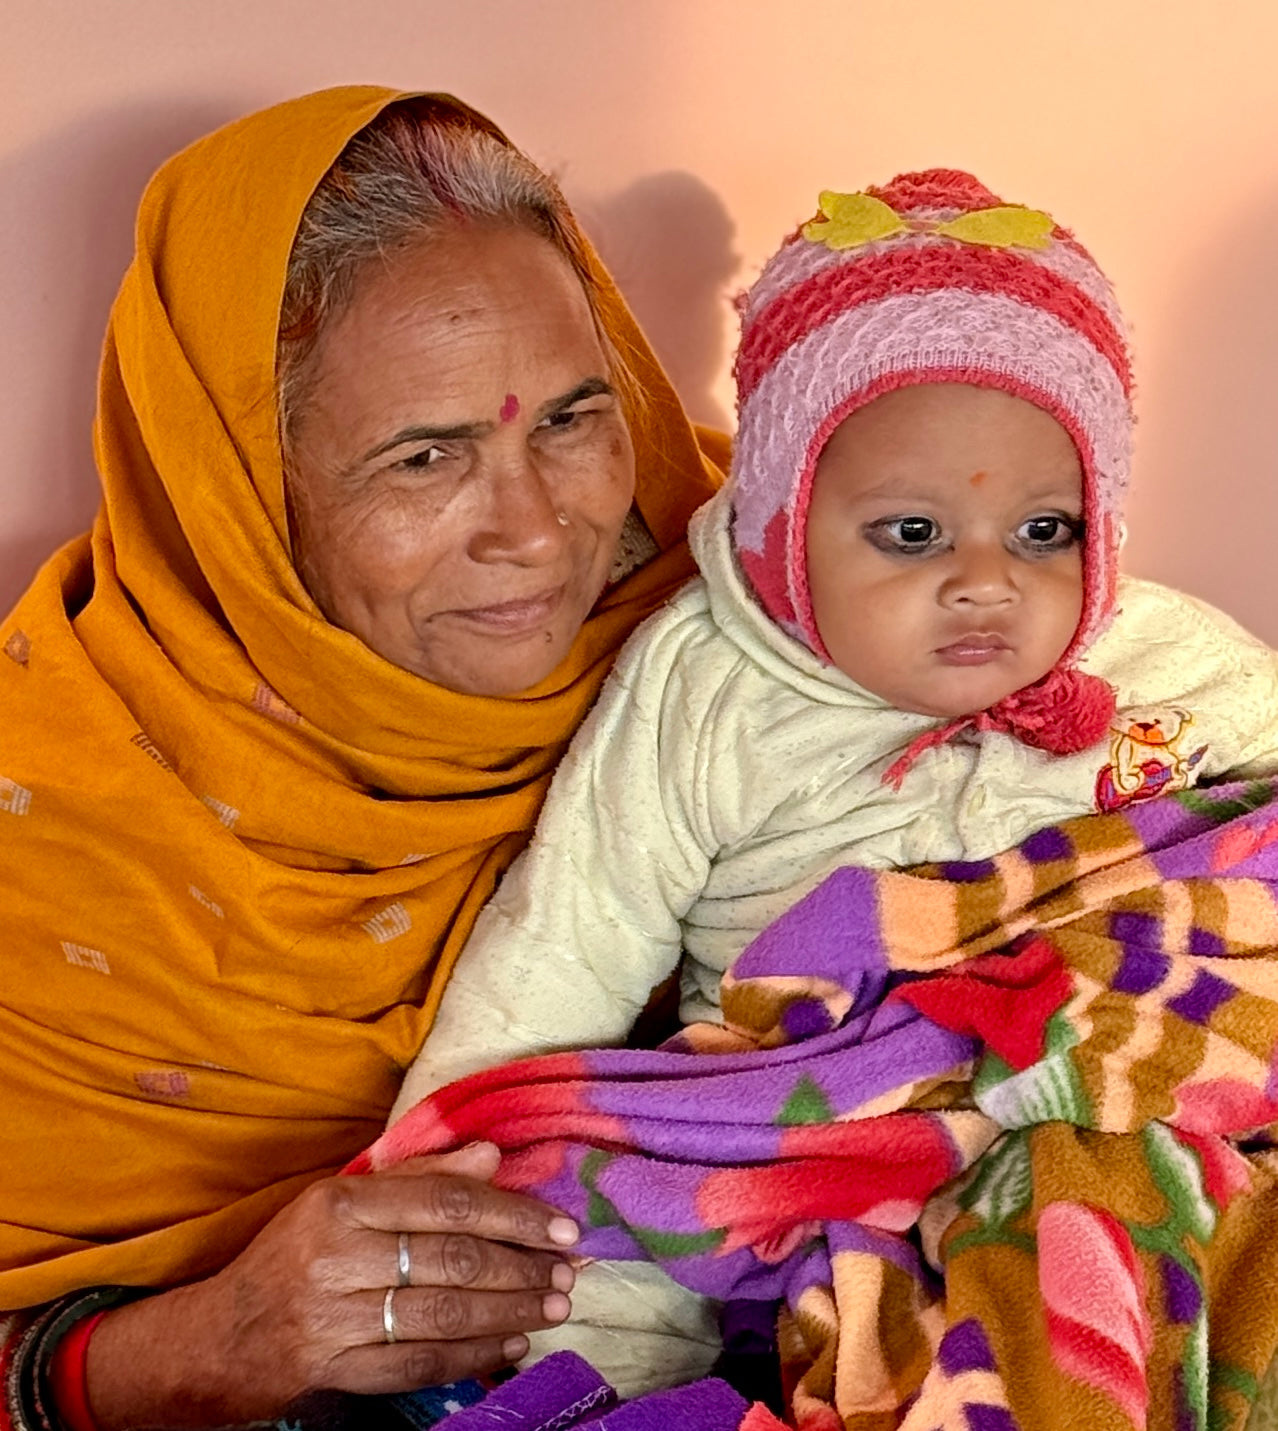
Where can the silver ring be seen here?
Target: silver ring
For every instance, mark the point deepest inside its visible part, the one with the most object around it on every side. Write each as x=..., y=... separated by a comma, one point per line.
x=389, y=1328
x=404, y=1262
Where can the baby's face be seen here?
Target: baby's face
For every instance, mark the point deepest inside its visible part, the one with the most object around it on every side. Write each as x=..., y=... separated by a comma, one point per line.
x=944, y=546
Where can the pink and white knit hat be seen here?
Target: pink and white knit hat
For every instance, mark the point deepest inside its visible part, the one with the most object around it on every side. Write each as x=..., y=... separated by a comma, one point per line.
x=931, y=279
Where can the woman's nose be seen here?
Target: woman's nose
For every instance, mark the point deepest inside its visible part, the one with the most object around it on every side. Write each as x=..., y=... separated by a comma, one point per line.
x=980, y=575
x=522, y=521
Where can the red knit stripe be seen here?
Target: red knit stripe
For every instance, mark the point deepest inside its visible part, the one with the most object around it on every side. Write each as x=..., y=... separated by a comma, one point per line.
x=936, y=189
x=921, y=269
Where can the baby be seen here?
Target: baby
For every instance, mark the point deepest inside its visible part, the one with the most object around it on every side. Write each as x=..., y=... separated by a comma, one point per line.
x=909, y=643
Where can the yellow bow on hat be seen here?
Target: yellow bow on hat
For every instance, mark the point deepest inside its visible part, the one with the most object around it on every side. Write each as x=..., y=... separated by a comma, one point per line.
x=848, y=220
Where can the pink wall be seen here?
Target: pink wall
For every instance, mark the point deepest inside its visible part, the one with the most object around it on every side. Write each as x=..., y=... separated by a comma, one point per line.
x=691, y=134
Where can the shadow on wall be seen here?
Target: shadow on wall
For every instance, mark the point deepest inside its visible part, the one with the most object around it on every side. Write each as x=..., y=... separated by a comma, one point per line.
x=667, y=240
x=1204, y=509
x=66, y=237
x=66, y=230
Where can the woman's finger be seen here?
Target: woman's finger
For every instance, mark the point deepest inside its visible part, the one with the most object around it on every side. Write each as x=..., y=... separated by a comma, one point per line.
x=454, y=1259
x=445, y=1202
x=382, y=1370
x=476, y=1160
x=452, y=1314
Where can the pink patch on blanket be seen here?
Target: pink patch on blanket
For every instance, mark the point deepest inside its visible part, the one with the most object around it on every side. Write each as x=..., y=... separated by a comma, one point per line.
x=1226, y=1173
x=759, y=1418
x=1237, y=844
x=419, y=1132
x=1222, y=1105
x=1093, y=1290
x=885, y=1162
x=530, y=1167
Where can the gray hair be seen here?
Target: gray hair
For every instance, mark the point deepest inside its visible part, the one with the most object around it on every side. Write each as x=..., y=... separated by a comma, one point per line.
x=418, y=168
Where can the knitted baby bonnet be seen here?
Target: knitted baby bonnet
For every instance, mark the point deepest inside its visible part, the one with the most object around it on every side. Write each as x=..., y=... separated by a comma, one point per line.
x=931, y=279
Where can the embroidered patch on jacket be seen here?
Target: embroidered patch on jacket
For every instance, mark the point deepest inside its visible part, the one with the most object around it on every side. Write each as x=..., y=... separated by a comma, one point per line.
x=1147, y=756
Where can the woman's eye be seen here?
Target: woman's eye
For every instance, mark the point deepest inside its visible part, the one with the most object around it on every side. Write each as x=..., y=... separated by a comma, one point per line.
x=569, y=419
x=418, y=461
x=905, y=534
x=1049, y=532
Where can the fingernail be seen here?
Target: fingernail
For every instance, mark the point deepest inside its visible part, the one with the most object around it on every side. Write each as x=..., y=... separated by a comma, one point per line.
x=555, y=1306
x=562, y=1277
x=514, y=1347
x=563, y=1230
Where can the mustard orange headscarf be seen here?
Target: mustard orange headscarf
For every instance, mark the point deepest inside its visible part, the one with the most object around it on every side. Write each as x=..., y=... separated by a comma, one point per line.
x=239, y=851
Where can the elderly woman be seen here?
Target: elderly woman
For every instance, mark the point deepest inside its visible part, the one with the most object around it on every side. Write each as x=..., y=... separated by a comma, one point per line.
x=389, y=476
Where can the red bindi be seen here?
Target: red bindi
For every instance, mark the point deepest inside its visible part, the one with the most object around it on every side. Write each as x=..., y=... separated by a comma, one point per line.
x=510, y=408
x=976, y=479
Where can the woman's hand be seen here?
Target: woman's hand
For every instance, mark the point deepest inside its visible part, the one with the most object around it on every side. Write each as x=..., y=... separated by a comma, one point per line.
x=304, y=1307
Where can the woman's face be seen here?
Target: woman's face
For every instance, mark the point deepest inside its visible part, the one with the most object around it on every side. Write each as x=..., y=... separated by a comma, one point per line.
x=460, y=469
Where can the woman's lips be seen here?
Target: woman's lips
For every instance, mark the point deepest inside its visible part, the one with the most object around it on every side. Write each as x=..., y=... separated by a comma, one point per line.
x=976, y=649
x=514, y=618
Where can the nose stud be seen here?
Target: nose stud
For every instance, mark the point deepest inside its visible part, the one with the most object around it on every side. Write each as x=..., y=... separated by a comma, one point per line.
x=562, y=518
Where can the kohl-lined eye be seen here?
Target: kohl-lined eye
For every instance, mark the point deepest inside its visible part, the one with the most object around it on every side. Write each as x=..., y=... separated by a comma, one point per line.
x=567, y=419
x=1050, y=532
x=906, y=535
x=418, y=461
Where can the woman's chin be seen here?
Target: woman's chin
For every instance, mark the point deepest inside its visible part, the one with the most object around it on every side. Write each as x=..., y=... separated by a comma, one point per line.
x=493, y=665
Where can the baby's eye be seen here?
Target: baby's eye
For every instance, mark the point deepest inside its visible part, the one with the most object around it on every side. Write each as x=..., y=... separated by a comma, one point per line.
x=1049, y=532
x=904, y=534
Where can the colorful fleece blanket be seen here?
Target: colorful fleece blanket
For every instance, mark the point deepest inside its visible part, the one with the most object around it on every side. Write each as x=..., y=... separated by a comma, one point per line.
x=997, y=1135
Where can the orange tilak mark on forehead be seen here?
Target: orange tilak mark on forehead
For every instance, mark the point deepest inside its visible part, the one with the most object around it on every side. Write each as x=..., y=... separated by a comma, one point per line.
x=976, y=479
x=510, y=408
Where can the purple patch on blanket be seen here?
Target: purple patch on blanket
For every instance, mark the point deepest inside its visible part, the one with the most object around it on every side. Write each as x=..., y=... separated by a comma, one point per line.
x=709, y=1405
x=805, y=1018
x=1182, y=1294
x=1048, y=845
x=1140, y=972
x=965, y=1348
x=967, y=871
x=890, y=1246
x=1203, y=997
x=980, y=1416
x=1207, y=944
x=837, y=929
x=1136, y=931
x=562, y=1391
